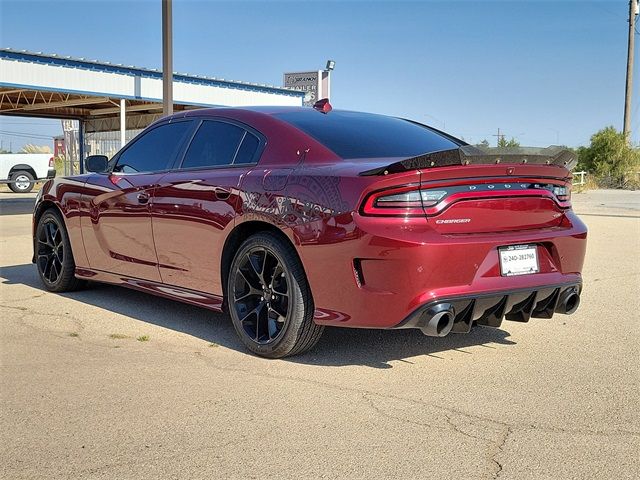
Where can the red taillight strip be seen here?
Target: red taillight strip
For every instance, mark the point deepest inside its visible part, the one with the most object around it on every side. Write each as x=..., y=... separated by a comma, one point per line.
x=504, y=193
x=370, y=208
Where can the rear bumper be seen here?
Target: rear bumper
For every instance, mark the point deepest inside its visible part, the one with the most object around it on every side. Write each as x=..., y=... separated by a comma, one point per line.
x=390, y=270
x=51, y=173
x=491, y=308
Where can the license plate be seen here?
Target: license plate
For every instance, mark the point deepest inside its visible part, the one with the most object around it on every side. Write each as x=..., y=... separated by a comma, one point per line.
x=518, y=260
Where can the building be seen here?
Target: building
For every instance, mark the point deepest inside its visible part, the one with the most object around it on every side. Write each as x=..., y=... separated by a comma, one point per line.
x=109, y=103
x=58, y=146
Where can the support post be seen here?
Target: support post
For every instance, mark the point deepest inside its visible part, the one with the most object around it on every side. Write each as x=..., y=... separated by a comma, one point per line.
x=80, y=148
x=167, y=59
x=123, y=122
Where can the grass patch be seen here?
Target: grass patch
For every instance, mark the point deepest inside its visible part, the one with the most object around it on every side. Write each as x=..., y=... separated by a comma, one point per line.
x=74, y=334
x=143, y=338
x=118, y=336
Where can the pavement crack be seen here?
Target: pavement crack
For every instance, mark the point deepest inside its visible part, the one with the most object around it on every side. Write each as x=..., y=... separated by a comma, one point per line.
x=27, y=312
x=494, y=440
x=459, y=430
x=367, y=397
x=495, y=450
x=473, y=416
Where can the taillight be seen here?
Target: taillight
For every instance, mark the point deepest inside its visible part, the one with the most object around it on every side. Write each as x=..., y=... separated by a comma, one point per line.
x=52, y=162
x=562, y=193
x=432, y=197
x=411, y=200
x=402, y=201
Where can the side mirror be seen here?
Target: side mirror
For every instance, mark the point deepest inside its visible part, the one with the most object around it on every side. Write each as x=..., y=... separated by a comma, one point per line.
x=96, y=163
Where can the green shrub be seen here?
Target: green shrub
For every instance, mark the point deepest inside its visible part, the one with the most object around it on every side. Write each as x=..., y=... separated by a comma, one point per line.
x=609, y=157
x=59, y=164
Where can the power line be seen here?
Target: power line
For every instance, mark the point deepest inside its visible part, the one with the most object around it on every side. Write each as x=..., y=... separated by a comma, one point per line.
x=43, y=124
x=607, y=11
x=25, y=135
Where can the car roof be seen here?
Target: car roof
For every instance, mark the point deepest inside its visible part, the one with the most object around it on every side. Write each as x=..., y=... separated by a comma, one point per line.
x=270, y=110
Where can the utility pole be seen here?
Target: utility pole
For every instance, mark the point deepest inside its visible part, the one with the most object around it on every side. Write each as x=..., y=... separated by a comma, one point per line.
x=633, y=11
x=167, y=59
x=500, y=137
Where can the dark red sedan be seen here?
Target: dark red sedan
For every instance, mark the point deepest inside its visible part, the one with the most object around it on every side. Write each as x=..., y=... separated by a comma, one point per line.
x=296, y=218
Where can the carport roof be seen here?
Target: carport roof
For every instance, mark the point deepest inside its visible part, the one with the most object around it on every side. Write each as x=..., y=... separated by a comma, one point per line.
x=42, y=85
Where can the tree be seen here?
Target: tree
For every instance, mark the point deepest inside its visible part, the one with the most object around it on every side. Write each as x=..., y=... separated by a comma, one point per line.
x=483, y=143
x=610, y=158
x=502, y=143
x=29, y=148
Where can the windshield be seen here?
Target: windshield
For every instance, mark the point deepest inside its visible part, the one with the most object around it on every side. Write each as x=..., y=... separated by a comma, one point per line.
x=365, y=135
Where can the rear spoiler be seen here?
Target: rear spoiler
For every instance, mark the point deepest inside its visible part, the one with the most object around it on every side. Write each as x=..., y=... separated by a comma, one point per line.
x=475, y=155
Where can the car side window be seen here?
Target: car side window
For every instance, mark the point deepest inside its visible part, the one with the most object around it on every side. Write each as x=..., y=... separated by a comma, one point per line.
x=215, y=144
x=248, y=149
x=155, y=150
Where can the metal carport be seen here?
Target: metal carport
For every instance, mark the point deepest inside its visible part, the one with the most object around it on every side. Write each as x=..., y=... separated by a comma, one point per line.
x=106, y=97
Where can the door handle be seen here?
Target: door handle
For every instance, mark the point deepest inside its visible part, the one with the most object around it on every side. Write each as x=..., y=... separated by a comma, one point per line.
x=221, y=193
x=143, y=197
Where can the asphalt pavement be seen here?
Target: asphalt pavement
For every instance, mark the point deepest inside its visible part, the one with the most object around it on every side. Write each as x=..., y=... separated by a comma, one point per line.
x=107, y=383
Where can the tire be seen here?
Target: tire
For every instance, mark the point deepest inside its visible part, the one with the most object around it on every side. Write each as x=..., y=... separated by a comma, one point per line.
x=19, y=181
x=269, y=299
x=54, y=258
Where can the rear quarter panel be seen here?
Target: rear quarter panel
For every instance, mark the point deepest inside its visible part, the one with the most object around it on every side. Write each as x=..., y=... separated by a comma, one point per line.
x=316, y=210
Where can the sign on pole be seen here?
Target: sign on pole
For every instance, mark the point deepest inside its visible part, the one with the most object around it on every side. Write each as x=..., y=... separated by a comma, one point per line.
x=309, y=82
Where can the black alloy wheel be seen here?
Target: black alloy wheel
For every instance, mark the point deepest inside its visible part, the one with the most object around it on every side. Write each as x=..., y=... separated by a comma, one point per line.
x=261, y=295
x=50, y=251
x=269, y=298
x=54, y=258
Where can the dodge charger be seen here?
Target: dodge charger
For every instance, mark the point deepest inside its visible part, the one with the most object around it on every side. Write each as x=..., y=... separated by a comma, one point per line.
x=295, y=218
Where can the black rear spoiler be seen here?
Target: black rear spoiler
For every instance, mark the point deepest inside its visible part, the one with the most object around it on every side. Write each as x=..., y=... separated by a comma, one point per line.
x=474, y=155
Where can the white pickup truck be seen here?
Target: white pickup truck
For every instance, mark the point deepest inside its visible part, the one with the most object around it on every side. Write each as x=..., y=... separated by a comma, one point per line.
x=21, y=170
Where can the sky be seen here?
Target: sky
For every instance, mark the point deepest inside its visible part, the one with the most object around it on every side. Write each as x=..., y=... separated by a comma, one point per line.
x=544, y=72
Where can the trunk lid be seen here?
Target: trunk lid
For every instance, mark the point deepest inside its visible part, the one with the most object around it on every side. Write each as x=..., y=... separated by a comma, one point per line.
x=493, y=198
x=474, y=190
x=503, y=214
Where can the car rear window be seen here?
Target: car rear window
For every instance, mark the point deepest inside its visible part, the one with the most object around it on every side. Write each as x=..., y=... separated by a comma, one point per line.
x=248, y=148
x=367, y=135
